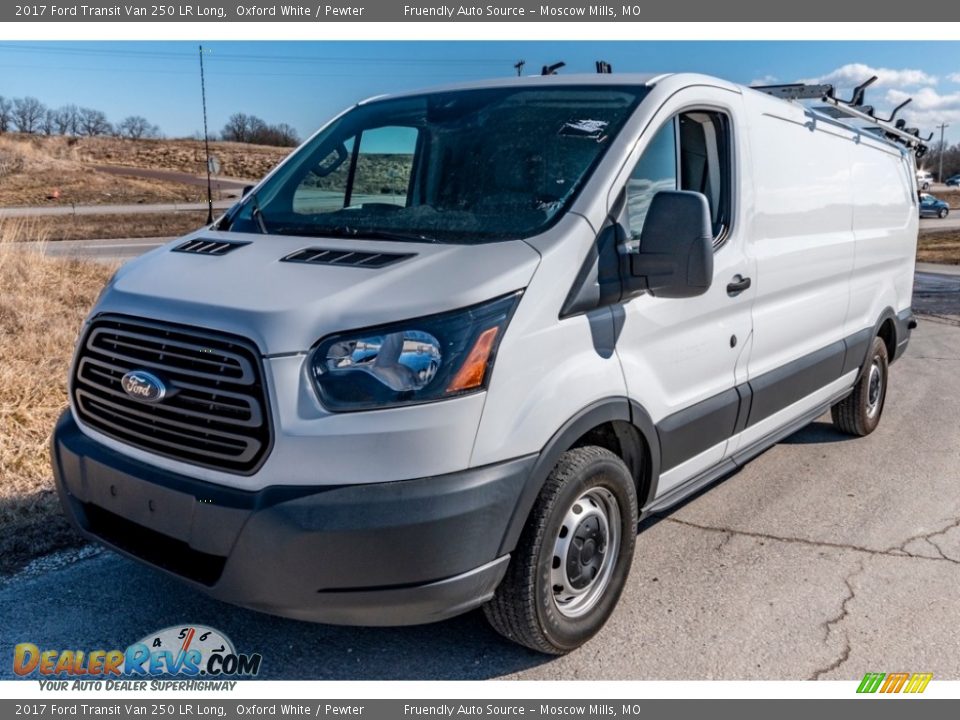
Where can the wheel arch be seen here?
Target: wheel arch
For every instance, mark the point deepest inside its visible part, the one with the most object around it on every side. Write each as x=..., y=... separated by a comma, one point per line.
x=617, y=424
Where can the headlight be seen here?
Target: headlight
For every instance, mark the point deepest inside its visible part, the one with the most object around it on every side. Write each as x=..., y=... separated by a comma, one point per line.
x=416, y=361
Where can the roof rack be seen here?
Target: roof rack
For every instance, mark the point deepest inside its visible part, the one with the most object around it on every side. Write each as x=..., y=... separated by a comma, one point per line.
x=895, y=131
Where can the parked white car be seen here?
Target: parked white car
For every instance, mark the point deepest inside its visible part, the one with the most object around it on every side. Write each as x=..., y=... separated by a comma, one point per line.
x=924, y=179
x=451, y=351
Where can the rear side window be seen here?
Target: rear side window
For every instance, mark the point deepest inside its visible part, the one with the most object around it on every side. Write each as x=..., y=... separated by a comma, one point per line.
x=690, y=152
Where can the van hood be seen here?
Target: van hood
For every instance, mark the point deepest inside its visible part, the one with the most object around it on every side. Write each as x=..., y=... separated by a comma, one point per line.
x=285, y=307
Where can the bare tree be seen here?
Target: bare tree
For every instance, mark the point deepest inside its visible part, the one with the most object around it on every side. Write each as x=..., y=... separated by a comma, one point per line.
x=6, y=114
x=93, y=122
x=28, y=113
x=136, y=127
x=65, y=120
x=285, y=135
x=48, y=125
x=237, y=128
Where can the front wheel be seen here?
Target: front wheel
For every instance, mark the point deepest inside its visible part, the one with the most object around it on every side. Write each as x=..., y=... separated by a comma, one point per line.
x=572, y=561
x=859, y=413
x=943, y=213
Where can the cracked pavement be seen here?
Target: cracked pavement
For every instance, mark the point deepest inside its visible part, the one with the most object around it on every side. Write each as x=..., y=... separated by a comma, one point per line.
x=824, y=558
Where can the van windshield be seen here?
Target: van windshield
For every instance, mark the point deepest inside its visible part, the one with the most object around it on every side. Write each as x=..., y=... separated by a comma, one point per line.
x=464, y=166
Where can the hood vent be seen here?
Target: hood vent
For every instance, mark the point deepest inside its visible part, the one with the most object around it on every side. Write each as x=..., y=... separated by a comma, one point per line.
x=351, y=258
x=205, y=246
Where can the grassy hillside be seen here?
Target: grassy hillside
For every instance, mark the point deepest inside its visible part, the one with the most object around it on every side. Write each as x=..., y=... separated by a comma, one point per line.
x=34, y=169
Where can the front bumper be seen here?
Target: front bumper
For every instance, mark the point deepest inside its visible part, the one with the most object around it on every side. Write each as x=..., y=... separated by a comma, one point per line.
x=396, y=553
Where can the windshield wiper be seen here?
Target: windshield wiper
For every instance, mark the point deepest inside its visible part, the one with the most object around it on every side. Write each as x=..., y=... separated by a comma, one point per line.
x=257, y=214
x=348, y=231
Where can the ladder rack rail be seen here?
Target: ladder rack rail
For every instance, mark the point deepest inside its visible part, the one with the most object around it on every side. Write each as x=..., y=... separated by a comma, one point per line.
x=853, y=108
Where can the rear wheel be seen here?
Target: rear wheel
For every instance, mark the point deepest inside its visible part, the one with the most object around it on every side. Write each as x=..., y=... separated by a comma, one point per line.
x=572, y=560
x=859, y=413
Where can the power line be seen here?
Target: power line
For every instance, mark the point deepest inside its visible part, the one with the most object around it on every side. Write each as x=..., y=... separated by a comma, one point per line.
x=249, y=57
x=411, y=72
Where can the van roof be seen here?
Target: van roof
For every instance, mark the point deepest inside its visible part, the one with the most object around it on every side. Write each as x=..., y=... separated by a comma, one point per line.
x=581, y=79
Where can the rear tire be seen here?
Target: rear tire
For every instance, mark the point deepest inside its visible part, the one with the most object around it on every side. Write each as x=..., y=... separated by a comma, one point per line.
x=859, y=413
x=571, y=563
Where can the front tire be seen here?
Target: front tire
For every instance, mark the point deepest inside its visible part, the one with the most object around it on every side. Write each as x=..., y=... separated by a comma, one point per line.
x=943, y=213
x=571, y=563
x=859, y=413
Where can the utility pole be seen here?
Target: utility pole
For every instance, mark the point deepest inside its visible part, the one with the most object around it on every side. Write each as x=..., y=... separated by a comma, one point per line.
x=518, y=66
x=942, y=126
x=206, y=140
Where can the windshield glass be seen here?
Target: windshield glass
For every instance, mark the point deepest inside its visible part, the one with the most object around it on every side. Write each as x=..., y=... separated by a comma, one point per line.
x=464, y=166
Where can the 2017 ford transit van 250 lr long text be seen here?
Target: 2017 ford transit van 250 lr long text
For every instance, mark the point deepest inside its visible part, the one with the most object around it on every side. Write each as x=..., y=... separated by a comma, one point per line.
x=450, y=350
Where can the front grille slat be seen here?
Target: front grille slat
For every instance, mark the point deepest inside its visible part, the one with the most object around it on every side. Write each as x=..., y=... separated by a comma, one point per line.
x=164, y=411
x=132, y=428
x=158, y=351
x=215, y=413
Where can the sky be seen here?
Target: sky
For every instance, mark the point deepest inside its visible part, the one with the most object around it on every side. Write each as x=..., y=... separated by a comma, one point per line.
x=304, y=83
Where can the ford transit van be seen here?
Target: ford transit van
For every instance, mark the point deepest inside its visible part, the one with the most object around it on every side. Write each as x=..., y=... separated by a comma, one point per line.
x=452, y=349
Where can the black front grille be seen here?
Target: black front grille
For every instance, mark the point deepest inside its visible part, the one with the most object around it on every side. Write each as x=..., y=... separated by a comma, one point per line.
x=215, y=412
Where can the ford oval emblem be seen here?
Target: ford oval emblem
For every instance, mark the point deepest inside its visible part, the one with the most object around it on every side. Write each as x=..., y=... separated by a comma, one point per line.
x=144, y=386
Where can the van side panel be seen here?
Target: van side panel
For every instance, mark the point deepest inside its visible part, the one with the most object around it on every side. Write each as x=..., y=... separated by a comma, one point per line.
x=885, y=228
x=802, y=241
x=801, y=235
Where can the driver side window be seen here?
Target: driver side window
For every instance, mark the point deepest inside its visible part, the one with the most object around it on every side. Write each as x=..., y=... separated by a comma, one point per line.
x=655, y=171
x=375, y=173
x=690, y=152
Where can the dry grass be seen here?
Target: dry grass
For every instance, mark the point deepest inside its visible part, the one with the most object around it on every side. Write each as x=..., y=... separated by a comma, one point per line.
x=237, y=160
x=100, y=227
x=42, y=305
x=30, y=175
x=939, y=247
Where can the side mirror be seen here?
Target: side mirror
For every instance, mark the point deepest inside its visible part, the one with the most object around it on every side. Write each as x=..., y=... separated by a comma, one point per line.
x=674, y=258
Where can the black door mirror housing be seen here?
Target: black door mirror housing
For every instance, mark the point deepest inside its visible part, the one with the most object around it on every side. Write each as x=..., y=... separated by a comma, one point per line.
x=674, y=257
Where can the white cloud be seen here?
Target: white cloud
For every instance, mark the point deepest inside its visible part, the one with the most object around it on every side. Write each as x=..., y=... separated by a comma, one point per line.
x=928, y=109
x=954, y=77
x=765, y=80
x=853, y=74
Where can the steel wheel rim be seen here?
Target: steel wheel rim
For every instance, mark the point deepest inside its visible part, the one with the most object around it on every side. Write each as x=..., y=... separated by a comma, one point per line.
x=874, y=389
x=585, y=552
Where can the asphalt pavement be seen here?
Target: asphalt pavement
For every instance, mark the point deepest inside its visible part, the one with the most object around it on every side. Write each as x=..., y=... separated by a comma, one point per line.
x=950, y=222
x=826, y=557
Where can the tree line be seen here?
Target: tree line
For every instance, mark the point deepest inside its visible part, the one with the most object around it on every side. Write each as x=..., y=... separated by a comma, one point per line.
x=951, y=161
x=251, y=129
x=29, y=115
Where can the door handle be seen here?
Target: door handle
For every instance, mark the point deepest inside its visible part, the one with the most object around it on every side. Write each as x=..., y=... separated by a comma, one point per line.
x=737, y=285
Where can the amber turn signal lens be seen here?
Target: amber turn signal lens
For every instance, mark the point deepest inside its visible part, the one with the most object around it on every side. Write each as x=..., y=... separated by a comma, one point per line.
x=470, y=376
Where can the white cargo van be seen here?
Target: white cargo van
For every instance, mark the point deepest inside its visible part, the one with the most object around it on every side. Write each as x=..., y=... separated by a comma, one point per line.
x=450, y=351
